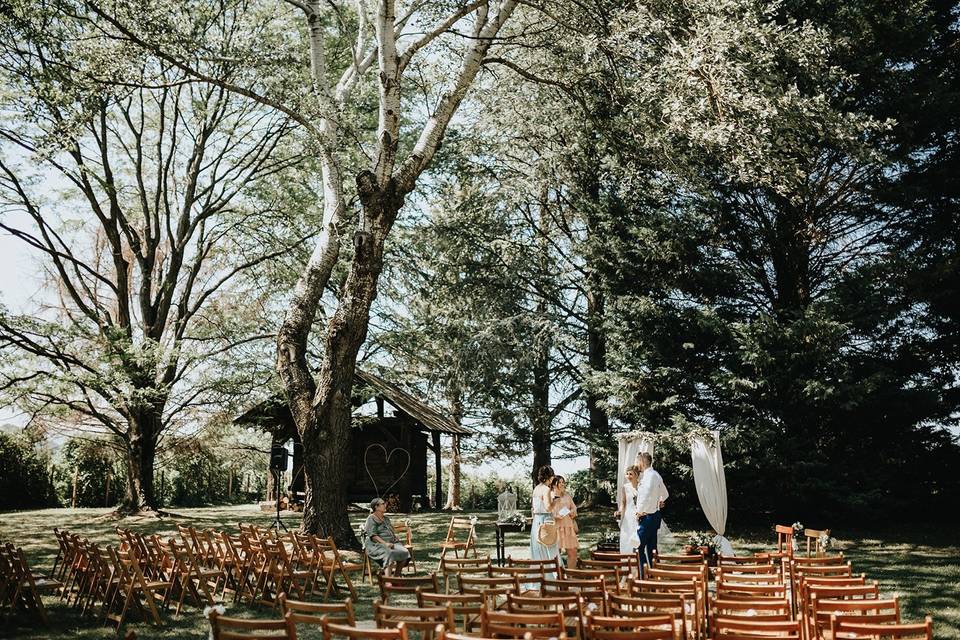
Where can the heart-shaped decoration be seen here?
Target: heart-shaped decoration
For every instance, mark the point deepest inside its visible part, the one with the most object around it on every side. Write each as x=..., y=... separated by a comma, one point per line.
x=386, y=461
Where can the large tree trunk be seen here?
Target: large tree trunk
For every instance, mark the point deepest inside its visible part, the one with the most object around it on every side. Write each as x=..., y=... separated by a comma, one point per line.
x=324, y=427
x=141, y=453
x=541, y=439
x=601, y=437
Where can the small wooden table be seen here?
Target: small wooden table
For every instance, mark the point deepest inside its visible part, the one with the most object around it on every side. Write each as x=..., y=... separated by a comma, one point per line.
x=502, y=529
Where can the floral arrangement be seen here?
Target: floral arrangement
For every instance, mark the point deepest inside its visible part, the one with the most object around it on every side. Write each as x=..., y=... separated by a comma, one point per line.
x=610, y=537
x=797, y=534
x=515, y=518
x=826, y=541
x=701, y=539
x=208, y=614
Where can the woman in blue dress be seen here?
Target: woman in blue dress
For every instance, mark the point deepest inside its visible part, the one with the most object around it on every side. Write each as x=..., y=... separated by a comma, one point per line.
x=542, y=501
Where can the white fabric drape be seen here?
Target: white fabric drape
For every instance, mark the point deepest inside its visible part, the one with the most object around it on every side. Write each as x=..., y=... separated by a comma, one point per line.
x=631, y=445
x=711, y=485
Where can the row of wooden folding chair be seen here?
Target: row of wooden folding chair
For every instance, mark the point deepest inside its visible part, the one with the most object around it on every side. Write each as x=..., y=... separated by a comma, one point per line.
x=260, y=563
x=20, y=587
x=109, y=581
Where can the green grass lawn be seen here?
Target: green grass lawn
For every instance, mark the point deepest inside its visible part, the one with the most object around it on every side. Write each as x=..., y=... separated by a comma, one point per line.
x=923, y=569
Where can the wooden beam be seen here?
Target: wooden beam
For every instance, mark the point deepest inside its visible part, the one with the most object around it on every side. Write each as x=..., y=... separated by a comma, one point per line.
x=438, y=466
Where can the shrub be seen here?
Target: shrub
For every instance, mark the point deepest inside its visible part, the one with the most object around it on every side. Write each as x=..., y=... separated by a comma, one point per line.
x=99, y=471
x=25, y=479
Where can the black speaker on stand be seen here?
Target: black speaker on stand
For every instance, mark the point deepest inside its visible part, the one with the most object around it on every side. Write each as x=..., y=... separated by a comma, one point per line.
x=278, y=464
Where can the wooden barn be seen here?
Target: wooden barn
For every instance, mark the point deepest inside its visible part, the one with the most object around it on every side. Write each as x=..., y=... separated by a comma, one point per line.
x=390, y=436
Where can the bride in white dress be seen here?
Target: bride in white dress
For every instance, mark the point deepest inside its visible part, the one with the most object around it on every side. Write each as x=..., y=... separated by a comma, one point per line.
x=627, y=511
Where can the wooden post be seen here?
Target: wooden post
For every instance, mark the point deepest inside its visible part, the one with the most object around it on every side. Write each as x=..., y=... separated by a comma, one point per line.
x=229, y=483
x=73, y=502
x=106, y=497
x=438, y=467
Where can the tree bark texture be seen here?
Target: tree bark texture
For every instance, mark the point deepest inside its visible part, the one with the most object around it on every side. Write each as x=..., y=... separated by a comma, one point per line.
x=141, y=452
x=324, y=424
x=541, y=439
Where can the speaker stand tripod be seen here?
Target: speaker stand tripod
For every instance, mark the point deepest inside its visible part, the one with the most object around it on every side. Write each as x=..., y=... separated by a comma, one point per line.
x=277, y=522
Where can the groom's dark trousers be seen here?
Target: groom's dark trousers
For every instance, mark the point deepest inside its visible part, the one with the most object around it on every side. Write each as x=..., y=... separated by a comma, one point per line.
x=647, y=532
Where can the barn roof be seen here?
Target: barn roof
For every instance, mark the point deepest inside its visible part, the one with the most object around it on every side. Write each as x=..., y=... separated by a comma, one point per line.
x=429, y=417
x=275, y=408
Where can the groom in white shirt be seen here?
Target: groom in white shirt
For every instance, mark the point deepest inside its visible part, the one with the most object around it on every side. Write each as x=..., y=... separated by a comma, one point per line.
x=651, y=493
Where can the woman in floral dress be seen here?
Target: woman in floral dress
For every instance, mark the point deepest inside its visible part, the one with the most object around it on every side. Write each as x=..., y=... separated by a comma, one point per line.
x=565, y=514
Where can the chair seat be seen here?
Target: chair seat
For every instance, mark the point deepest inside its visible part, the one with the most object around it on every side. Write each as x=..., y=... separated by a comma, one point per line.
x=453, y=544
x=47, y=583
x=158, y=584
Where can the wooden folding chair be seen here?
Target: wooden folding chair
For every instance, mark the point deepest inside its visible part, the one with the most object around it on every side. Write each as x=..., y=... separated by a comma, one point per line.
x=530, y=578
x=63, y=553
x=551, y=565
x=593, y=591
x=405, y=534
x=855, y=611
x=570, y=605
x=189, y=578
x=401, y=585
x=494, y=590
x=627, y=563
x=422, y=619
x=758, y=610
x=856, y=631
x=641, y=627
x=686, y=558
x=467, y=566
x=313, y=613
x=133, y=586
x=611, y=576
x=675, y=605
x=498, y=624
x=23, y=586
x=742, y=628
x=690, y=589
x=465, y=606
x=784, y=539
x=299, y=577
x=442, y=634
x=698, y=573
x=809, y=591
x=225, y=628
x=332, y=630
x=461, y=537
x=234, y=565
x=333, y=564
x=740, y=591
x=748, y=578
x=813, y=539
x=724, y=562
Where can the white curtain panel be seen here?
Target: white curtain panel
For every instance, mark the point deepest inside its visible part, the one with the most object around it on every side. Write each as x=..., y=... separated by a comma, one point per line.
x=631, y=445
x=711, y=485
